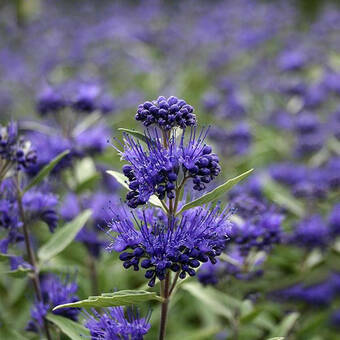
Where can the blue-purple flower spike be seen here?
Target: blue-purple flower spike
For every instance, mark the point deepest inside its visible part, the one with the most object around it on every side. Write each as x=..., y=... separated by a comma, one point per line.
x=114, y=324
x=199, y=236
x=166, y=113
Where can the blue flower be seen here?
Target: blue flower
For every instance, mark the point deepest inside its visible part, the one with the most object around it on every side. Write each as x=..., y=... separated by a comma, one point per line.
x=259, y=233
x=179, y=245
x=93, y=140
x=334, y=220
x=155, y=170
x=311, y=232
x=166, y=113
x=54, y=292
x=49, y=147
x=114, y=324
x=15, y=151
x=42, y=206
x=85, y=99
x=50, y=100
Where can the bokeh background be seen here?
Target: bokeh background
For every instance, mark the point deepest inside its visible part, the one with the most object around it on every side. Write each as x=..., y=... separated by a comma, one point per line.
x=264, y=75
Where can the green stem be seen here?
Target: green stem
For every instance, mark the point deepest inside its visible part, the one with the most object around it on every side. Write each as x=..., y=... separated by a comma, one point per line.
x=165, y=304
x=31, y=255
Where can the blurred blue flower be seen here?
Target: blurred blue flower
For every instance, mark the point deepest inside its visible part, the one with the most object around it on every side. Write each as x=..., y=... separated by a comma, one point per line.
x=114, y=324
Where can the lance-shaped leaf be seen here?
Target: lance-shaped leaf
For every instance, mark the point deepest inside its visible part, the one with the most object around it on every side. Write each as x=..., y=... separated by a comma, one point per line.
x=73, y=330
x=282, y=197
x=216, y=193
x=120, y=298
x=46, y=170
x=19, y=273
x=139, y=135
x=120, y=178
x=286, y=325
x=63, y=237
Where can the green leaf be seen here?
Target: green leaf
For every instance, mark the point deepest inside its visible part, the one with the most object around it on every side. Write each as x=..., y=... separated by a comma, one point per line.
x=63, y=237
x=19, y=273
x=46, y=170
x=139, y=135
x=216, y=193
x=212, y=299
x=86, y=123
x=72, y=329
x=4, y=257
x=120, y=178
x=120, y=298
x=286, y=325
x=281, y=196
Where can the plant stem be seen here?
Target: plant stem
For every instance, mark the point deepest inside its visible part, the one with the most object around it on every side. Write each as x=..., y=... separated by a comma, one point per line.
x=93, y=275
x=164, y=312
x=173, y=283
x=31, y=257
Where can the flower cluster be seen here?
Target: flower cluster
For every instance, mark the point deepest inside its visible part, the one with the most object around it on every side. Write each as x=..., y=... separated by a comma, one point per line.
x=179, y=244
x=14, y=150
x=166, y=113
x=259, y=233
x=86, y=99
x=115, y=325
x=37, y=205
x=317, y=295
x=312, y=232
x=54, y=292
x=156, y=170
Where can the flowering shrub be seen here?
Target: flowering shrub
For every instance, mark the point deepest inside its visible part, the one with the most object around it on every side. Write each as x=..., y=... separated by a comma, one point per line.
x=116, y=221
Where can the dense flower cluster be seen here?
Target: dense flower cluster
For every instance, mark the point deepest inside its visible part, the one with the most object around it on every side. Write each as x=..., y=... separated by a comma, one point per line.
x=178, y=245
x=54, y=292
x=317, y=295
x=166, y=113
x=14, y=150
x=115, y=325
x=155, y=170
x=312, y=232
x=259, y=233
x=86, y=99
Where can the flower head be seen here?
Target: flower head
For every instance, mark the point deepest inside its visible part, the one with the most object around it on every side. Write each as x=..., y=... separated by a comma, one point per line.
x=54, y=292
x=114, y=324
x=166, y=113
x=14, y=150
x=156, y=169
x=180, y=245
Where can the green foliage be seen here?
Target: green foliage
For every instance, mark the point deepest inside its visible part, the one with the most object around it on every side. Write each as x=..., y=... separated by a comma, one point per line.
x=44, y=172
x=63, y=237
x=120, y=298
x=216, y=193
x=141, y=136
x=74, y=330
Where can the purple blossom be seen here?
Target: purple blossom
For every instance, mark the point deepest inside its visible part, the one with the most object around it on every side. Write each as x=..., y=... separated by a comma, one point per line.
x=156, y=169
x=114, y=324
x=311, y=233
x=334, y=220
x=15, y=151
x=42, y=206
x=54, y=292
x=181, y=245
x=93, y=140
x=166, y=113
x=50, y=101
